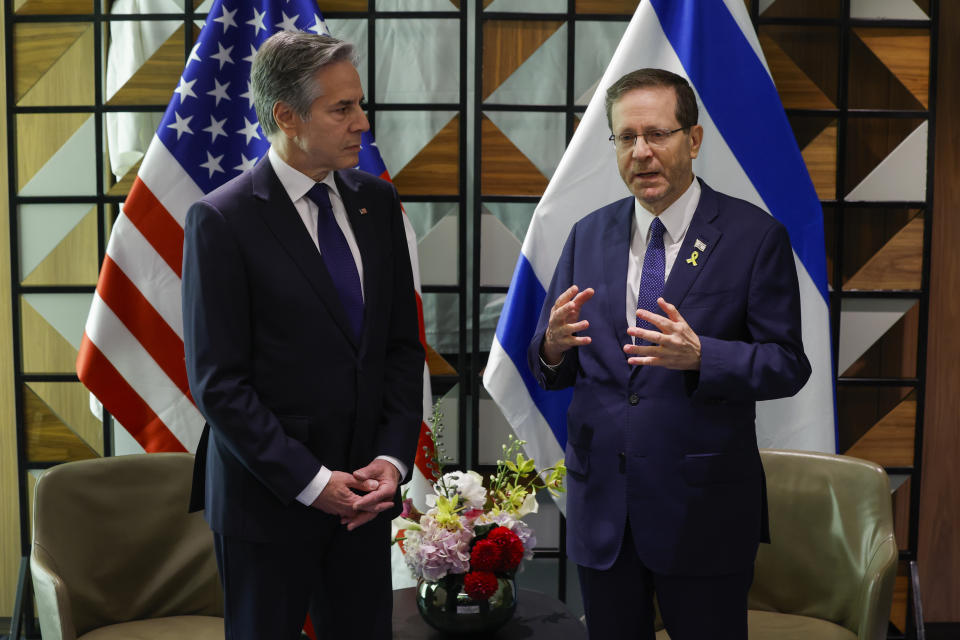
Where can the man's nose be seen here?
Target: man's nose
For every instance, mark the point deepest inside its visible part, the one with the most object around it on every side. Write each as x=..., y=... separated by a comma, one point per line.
x=360, y=122
x=640, y=148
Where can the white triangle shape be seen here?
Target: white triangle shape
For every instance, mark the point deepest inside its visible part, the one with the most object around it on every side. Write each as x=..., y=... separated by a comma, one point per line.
x=438, y=253
x=901, y=176
x=66, y=312
x=42, y=227
x=499, y=250
x=535, y=81
x=408, y=132
x=886, y=10
x=69, y=172
x=863, y=321
x=539, y=136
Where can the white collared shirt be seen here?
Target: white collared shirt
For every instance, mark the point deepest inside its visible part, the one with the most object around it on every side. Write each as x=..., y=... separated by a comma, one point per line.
x=676, y=220
x=297, y=184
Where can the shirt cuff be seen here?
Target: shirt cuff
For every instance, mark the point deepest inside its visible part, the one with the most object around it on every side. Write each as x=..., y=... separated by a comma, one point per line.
x=402, y=468
x=312, y=491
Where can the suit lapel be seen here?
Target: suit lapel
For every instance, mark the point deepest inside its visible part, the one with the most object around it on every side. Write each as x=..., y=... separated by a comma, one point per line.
x=362, y=217
x=615, y=250
x=698, y=245
x=284, y=222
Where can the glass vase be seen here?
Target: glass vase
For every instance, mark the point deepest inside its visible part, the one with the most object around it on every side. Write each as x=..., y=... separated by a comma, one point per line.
x=447, y=607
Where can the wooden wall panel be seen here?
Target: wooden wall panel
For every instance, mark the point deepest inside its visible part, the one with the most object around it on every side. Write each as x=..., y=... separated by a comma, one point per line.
x=9, y=485
x=507, y=43
x=939, y=528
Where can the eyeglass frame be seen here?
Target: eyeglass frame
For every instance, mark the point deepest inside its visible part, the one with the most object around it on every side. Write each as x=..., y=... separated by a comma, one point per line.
x=667, y=135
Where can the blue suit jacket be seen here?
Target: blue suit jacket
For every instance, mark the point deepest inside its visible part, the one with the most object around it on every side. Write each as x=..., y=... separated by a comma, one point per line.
x=676, y=450
x=273, y=365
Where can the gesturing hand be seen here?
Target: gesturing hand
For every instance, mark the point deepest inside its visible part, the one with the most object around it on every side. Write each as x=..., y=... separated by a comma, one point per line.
x=381, y=479
x=564, y=323
x=675, y=345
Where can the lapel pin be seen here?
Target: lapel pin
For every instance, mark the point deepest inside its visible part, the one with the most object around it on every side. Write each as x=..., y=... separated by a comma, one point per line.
x=693, y=258
x=700, y=245
x=363, y=211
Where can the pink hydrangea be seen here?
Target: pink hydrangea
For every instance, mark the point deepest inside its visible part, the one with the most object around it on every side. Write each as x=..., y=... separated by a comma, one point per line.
x=438, y=551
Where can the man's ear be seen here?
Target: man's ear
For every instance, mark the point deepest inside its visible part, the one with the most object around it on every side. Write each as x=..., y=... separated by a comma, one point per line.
x=696, y=139
x=286, y=118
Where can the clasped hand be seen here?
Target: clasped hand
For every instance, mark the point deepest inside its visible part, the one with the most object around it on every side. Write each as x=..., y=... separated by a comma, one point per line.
x=675, y=345
x=379, y=480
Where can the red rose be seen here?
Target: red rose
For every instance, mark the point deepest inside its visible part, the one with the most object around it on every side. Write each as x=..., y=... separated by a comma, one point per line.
x=511, y=549
x=486, y=556
x=480, y=585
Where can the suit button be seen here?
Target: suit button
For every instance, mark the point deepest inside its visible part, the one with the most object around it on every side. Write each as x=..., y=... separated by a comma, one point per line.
x=634, y=399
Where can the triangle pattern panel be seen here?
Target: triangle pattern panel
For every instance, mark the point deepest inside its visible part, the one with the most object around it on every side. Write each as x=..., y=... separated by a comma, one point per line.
x=892, y=355
x=45, y=350
x=820, y=156
x=799, y=8
x=438, y=365
x=889, y=442
x=869, y=142
x=73, y=261
x=539, y=136
x=48, y=438
x=860, y=409
x=900, y=176
x=327, y=6
x=625, y=7
x=56, y=7
x=42, y=227
x=906, y=53
x=506, y=170
x=155, y=80
x=796, y=89
x=897, y=265
x=53, y=154
x=438, y=253
x=435, y=170
x=539, y=79
x=38, y=46
x=886, y=10
x=873, y=85
x=806, y=49
x=69, y=80
x=70, y=401
x=507, y=44
x=122, y=187
x=863, y=321
x=499, y=250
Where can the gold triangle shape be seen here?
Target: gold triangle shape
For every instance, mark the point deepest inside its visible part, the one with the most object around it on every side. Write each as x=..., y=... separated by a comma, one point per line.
x=37, y=47
x=796, y=89
x=44, y=349
x=39, y=136
x=606, y=6
x=820, y=157
x=507, y=44
x=435, y=170
x=69, y=81
x=906, y=53
x=55, y=7
x=123, y=187
x=437, y=364
x=48, y=438
x=889, y=443
x=70, y=401
x=155, y=80
x=505, y=170
x=330, y=6
x=898, y=263
x=74, y=260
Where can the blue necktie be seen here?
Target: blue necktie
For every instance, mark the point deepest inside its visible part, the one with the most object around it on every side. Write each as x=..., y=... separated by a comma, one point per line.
x=337, y=257
x=652, y=276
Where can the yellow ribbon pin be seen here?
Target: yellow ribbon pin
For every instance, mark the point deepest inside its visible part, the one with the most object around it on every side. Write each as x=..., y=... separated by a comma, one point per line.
x=693, y=258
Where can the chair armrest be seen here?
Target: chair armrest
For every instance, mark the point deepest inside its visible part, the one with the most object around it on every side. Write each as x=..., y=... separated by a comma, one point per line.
x=877, y=591
x=53, y=602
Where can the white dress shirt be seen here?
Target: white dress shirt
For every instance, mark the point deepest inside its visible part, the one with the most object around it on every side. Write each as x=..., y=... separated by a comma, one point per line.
x=676, y=220
x=297, y=184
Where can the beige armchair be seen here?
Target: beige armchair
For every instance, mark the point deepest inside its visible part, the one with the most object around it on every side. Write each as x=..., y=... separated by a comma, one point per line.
x=116, y=555
x=830, y=570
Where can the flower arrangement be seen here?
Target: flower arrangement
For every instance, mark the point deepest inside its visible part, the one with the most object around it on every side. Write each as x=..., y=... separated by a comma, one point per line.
x=472, y=532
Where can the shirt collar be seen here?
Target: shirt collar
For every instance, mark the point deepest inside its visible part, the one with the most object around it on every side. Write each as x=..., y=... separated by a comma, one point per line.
x=295, y=183
x=675, y=218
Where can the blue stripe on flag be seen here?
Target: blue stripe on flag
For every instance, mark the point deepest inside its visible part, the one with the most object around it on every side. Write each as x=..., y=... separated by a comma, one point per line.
x=732, y=82
x=518, y=323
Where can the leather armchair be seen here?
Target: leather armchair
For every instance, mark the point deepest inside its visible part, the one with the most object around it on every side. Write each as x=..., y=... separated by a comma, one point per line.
x=830, y=569
x=116, y=555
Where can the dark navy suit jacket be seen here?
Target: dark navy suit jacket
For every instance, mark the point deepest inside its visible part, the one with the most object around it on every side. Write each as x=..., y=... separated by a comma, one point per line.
x=272, y=363
x=675, y=450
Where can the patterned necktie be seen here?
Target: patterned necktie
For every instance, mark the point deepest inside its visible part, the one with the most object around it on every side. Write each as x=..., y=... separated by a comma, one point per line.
x=651, y=277
x=337, y=257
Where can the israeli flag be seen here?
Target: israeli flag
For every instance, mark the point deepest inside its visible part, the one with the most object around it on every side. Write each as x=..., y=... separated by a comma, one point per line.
x=748, y=151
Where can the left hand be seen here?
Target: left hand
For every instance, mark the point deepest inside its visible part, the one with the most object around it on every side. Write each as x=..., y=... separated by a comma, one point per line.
x=675, y=345
x=381, y=479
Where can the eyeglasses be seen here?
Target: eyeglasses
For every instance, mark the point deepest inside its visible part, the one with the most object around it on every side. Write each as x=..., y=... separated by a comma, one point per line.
x=657, y=138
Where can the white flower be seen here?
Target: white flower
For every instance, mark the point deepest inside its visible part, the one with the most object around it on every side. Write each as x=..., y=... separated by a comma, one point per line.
x=530, y=505
x=468, y=485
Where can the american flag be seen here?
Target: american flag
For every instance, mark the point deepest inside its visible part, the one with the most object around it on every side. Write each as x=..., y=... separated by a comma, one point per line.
x=131, y=356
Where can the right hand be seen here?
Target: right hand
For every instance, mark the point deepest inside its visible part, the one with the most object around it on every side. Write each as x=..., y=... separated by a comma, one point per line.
x=564, y=323
x=337, y=498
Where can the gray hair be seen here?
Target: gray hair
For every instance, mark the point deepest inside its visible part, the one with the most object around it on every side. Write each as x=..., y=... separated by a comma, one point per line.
x=686, y=112
x=283, y=71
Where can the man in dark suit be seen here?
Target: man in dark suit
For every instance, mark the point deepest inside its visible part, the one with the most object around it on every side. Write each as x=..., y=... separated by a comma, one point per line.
x=670, y=313
x=302, y=350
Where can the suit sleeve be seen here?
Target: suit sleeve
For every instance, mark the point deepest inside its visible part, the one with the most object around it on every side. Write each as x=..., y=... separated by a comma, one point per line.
x=565, y=374
x=771, y=364
x=217, y=336
x=399, y=428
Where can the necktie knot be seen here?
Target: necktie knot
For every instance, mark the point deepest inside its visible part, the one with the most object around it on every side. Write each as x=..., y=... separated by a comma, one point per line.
x=318, y=194
x=656, y=231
